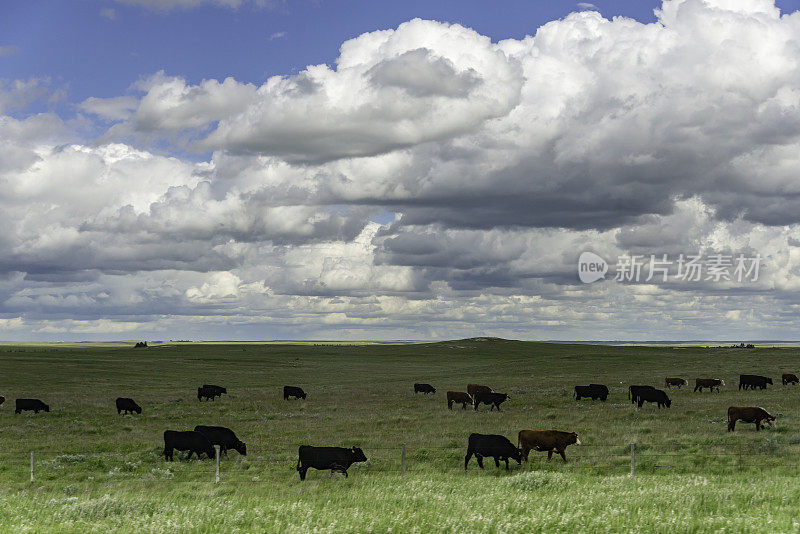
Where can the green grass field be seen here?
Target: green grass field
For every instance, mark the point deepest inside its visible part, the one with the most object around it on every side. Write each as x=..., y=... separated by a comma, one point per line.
x=97, y=471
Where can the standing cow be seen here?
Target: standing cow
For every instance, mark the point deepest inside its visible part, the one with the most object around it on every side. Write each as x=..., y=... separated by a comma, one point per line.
x=293, y=391
x=546, y=440
x=333, y=458
x=493, y=399
x=789, y=378
x=493, y=445
x=458, y=397
x=658, y=396
x=753, y=381
x=33, y=405
x=190, y=440
x=749, y=414
x=634, y=391
x=224, y=437
x=424, y=388
x=675, y=381
x=710, y=383
x=127, y=405
x=593, y=391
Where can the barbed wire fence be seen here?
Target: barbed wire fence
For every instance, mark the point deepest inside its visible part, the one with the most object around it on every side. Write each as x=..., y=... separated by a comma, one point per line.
x=631, y=459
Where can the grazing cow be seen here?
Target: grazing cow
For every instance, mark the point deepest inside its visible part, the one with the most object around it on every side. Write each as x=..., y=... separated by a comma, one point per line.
x=34, y=405
x=189, y=440
x=293, y=391
x=786, y=378
x=658, y=396
x=333, y=458
x=595, y=391
x=218, y=390
x=204, y=392
x=546, y=440
x=459, y=397
x=224, y=437
x=633, y=392
x=424, y=388
x=749, y=414
x=675, y=381
x=472, y=389
x=127, y=405
x=498, y=447
x=494, y=399
x=710, y=383
x=753, y=382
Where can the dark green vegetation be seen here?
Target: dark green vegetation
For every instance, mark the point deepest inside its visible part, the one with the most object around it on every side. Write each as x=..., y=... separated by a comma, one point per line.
x=98, y=470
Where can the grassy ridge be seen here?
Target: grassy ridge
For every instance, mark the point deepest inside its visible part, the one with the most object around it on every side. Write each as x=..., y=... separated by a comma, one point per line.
x=98, y=470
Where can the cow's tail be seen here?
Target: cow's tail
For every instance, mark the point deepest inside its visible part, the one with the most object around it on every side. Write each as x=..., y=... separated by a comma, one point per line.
x=629, y=393
x=574, y=392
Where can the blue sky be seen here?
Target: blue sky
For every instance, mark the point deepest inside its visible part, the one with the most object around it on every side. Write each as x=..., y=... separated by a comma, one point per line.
x=210, y=171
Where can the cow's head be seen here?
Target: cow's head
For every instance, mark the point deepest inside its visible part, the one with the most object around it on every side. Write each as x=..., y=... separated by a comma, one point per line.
x=241, y=448
x=358, y=455
x=573, y=438
x=517, y=455
x=47, y=407
x=137, y=409
x=769, y=381
x=507, y=396
x=668, y=402
x=304, y=395
x=771, y=420
x=721, y=382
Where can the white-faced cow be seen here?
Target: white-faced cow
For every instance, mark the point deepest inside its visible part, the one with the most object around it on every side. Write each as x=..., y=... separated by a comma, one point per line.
x=546, y=440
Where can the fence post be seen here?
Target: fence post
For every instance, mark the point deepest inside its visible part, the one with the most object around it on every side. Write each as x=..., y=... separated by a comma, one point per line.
x=31, y=466
x=216, y=453
x=633, y=459
x=403, y=458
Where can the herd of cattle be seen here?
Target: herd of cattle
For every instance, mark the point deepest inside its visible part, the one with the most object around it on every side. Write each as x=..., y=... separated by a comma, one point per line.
x=203, y=439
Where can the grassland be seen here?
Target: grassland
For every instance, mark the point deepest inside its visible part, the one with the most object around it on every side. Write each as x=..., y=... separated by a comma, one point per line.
x=97, y=471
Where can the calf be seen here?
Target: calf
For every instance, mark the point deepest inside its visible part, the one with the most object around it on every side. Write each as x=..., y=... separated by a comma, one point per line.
x=34, y=405
x=459, y=397
x=293, y=391
x=654, y=395
x=546, y=440
x=786, y=378
x=634, y=391
x=494, y=399
x=710, y=383
x=472, y=389
x=333, y=458
x=127, y=405
x=749, y=414
x=424, y=388
x=192, y=441
x=224, y=437
x=595, y=391
x=753, y=382
x=498, y=447
x=675, y=381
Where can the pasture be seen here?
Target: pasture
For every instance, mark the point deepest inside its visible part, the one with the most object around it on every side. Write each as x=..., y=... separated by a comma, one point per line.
x=96, y=470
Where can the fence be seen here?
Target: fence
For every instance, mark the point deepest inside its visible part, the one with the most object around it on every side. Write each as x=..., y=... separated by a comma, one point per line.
x=602, y=459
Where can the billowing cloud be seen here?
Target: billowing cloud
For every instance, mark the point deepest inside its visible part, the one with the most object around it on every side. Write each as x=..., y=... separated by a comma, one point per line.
x=488, y=166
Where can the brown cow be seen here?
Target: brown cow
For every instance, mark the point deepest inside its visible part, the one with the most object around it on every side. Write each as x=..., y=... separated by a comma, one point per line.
x=472, y=389
x=675, y=381
x=749, y=414
x=710, y=383
x=546, y=440
x=459, y=397
x=789, y=378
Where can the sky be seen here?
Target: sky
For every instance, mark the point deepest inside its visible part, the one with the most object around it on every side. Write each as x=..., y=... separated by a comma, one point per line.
x=255, y=169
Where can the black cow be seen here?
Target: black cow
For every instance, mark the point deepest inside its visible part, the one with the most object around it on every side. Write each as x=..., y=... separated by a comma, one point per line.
x=595, y=391
x=2, y=399
x=127, y=405
x=333, y=458
x=494, y=399
x=753, y=382
x=189, y=440
x=205, y=392
x=654, y=395
x=633, y=392
x=293, y=391
x=218, y=390
x=424, y=388
x=34, y=405
x=786, y=378
x=496, y=446
x=224, y=437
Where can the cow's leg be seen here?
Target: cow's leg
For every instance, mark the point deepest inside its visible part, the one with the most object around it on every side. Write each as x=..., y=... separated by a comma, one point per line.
x=549, y=455
x=496, y=461
x=506, y=464
x=464, y=406
x=466, y=459
x=498, y=406
x=480, y=460
x=563, y=456
x=525, y=452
